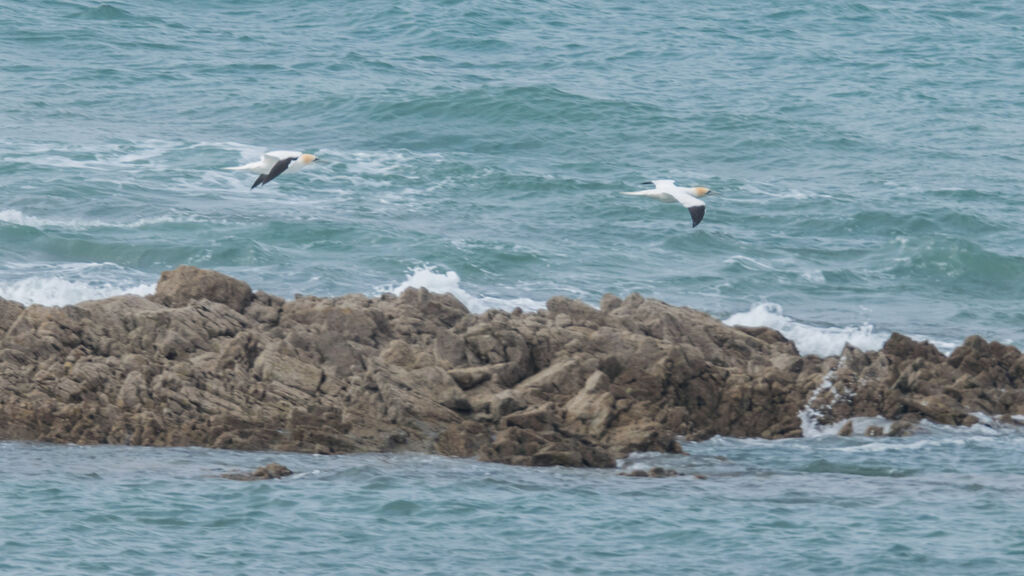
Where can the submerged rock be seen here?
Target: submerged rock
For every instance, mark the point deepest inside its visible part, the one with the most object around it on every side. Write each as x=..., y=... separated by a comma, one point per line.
x=205, y=361
x=269, y=472
x=656, y=472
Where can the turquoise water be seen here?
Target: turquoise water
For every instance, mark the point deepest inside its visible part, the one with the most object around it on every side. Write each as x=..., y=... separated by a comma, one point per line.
x=868, y=157
x=868, y=164
x=946, y=502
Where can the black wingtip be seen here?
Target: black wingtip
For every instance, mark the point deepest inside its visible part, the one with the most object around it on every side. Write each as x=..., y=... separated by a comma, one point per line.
x=697, y=214
x=275, y=171
x=648, y=183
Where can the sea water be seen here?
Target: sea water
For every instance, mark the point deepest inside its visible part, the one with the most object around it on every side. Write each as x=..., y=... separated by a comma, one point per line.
x=943, y=502
x=867, y=164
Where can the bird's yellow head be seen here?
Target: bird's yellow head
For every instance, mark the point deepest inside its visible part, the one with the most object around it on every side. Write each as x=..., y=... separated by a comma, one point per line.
x=700, y=191
x=306, y=159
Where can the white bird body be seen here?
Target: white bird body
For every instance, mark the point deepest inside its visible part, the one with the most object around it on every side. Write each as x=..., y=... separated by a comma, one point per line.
x=274, y=163
x=667, y=191
x=264, y=164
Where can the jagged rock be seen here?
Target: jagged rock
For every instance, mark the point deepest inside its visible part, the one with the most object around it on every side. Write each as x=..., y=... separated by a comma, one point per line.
x=184, y=284
x=900, y=348
x=9, y=312
x=903, y=427
x=205, y=361
x=847, y=428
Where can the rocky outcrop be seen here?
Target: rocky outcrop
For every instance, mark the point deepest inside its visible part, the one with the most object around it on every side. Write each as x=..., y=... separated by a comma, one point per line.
x=908, y=381
x=206, y=361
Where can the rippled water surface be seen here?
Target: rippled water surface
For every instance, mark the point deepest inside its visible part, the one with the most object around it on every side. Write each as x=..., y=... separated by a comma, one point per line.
x=867, y=160
x=944, y=502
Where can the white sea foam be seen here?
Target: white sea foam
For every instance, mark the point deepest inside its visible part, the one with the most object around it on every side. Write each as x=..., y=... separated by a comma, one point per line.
x=448, y=282
x=823, y=341
x=814, y=276
x=103, y=157
x=49, y=159
x=376, y=163
x=942, y=345
x=747, y=262
x=810, y=417
x=57, y=291
x=926, y=433
x=860, y=425
x=752, y=190
x=19, y=218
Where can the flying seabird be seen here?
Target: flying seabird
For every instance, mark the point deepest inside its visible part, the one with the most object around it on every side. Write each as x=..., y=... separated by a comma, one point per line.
x=274, y=163
x=667, y=191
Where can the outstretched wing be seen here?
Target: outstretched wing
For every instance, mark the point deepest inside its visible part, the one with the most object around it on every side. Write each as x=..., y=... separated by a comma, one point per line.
x=279, y=167
x=275, y=155
x=694, y=205
x=250, y=167
x=660, y=191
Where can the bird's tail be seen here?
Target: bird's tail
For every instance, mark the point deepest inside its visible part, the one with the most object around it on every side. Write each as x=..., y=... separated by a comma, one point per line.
x=236, y=167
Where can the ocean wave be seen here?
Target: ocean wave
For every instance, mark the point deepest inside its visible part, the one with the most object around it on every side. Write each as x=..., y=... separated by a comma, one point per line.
x=117, y=155
x=57, y=291
x=747, y=263
x=774, y=191
x=506, y=108
x=960, y=264
x=104, y=12
x=449, y=282
x=927, y=434
x=822, y=341
x=382, y=163
x=19, y=218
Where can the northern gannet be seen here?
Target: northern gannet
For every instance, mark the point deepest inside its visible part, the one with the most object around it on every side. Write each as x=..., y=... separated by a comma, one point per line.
x=667, y=191
x=274, y=163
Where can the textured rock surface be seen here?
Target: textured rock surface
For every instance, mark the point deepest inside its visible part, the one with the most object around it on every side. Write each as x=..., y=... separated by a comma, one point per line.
x=205, y=361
